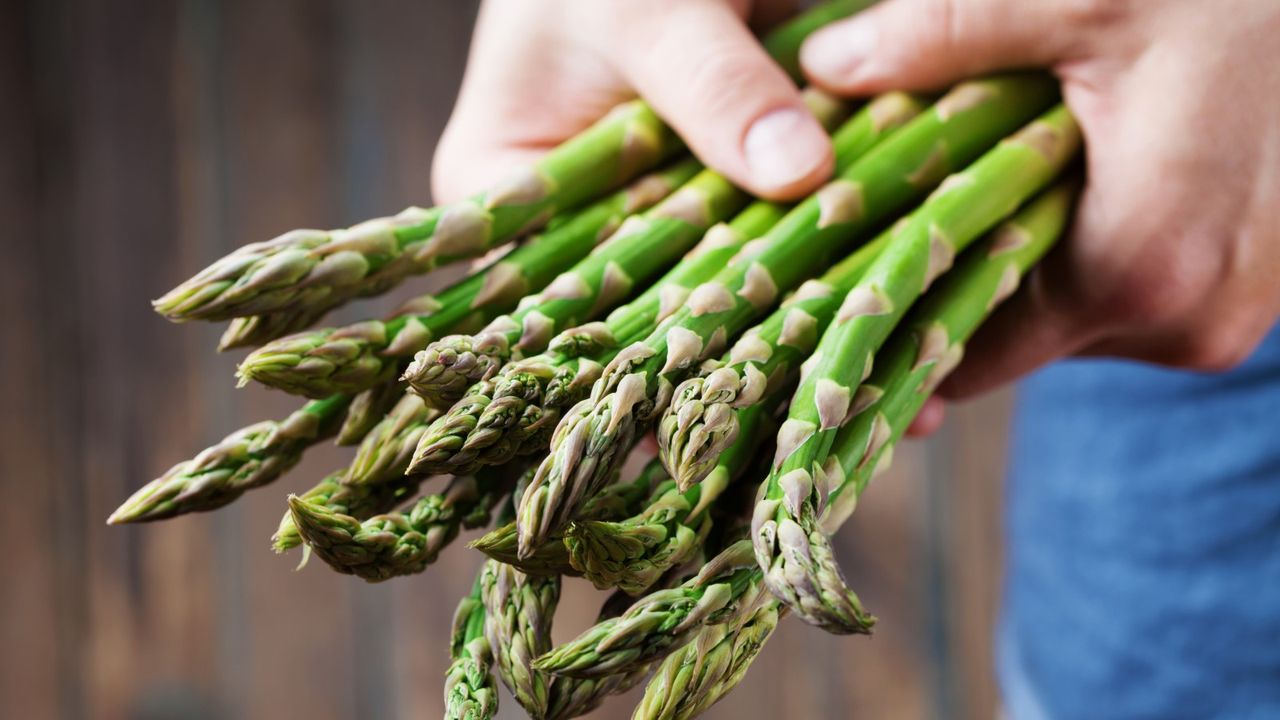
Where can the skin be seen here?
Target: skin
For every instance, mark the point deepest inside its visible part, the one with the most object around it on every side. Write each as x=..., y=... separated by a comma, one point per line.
x=1174, y=255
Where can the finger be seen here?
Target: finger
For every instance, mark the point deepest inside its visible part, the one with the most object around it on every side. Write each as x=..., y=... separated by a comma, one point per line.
x=529, y=84
x=703, y=71
x=919, y=44
x=929, y=419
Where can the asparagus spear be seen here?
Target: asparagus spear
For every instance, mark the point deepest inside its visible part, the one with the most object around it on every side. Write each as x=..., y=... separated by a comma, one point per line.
x=247, y=458
x=640, y=249
x=384, y=453
x=703, y=418
x=617, y=501
x=306, y=267
x=518, y=611
x=356, y=501
x=967, y=205
x=637, y=384
x=661, y=621
x=882, y=116
x=353, y=358
x=632, y=554
x=695, y=677
x=396, y=544
x=367, y=409
x=790, y=536
x=469, y=690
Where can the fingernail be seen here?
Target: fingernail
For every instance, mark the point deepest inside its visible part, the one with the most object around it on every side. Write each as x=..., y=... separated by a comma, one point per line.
x=785, y=146
x=834, y=54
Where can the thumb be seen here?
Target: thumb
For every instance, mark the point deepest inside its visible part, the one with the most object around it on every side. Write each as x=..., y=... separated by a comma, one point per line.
x=702, y=70
x=924, y=44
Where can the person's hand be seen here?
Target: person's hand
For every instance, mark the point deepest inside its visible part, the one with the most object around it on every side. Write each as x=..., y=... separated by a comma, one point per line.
x=541, y=70
x=1175, y=253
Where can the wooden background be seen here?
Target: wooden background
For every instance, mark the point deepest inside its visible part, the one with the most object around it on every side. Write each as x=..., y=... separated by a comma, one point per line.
x=140, y=140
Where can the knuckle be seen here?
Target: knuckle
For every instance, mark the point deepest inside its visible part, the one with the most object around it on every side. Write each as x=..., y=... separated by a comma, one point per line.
x=722, y=79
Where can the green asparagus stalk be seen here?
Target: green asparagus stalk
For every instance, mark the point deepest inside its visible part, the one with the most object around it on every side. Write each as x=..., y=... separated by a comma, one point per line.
x=695, y=677
x=469, y=690
x=634, y=553
x=967, y=205
x=518, y=612
x=309, y=267
x=247, y=458
x=637, y=384
x=703, y=418
x=367, y=409
x=384, y=453
x=401, y=543
x=632, y=256
x=882, y=116
x=617, y=501
x=789, y=532
x=784, y=41
x=353, y=358
x=356, y=501
x=661, y=621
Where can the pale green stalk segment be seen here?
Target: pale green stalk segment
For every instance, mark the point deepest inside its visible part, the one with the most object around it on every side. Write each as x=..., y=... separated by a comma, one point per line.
x=248, y=458
x=801, y=570
x=639, y=382
x=313, y=267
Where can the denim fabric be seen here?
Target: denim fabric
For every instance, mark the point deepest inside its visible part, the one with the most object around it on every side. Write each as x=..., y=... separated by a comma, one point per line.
x=1143, y=522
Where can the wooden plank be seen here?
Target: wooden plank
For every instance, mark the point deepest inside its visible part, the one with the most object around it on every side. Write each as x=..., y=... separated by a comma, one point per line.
x=29, y=132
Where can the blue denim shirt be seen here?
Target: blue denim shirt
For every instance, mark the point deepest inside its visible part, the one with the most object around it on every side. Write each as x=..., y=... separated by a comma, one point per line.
x=1143, y=521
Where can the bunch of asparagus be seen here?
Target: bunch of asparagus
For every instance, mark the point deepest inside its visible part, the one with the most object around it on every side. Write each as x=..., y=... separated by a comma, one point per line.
x=776, y=352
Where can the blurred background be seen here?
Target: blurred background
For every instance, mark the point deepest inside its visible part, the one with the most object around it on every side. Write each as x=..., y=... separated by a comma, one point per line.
x=140, y=140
